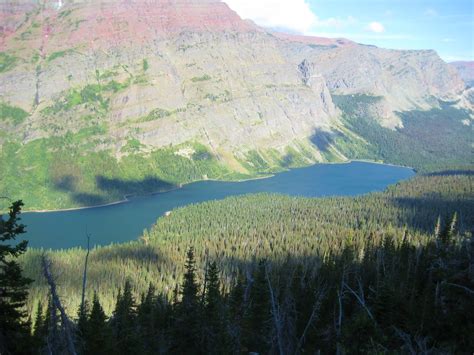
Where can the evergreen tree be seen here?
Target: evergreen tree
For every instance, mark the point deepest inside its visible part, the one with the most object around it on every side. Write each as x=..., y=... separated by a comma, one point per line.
x=213, y=299
x=146, y=322
x=97, y=335
x=14, y=328
x=256, y=329
x=215, y=314
x=447, y=233
x=54, y=338
x=186, y=330
x=123, y=322
x=236, y=310
x=39, y=332
x=82, y=314
x=189, y=291
x=162, y=319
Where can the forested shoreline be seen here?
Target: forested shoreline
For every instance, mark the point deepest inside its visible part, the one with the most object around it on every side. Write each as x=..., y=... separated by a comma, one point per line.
x=386, y=272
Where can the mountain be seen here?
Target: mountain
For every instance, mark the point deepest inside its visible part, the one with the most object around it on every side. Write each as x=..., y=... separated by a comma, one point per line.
x=100, y=99
x=466, y=71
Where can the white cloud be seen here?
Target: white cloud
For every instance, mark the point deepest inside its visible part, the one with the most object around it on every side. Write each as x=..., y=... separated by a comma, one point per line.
x=376, y=27
x=292, y=15
x=295, y=15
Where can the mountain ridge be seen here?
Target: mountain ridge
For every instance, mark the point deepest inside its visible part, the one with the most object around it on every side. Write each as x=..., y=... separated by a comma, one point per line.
x=129, y=83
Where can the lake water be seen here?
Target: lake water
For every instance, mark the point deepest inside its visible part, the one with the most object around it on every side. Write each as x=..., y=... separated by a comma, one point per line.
x=126, y=221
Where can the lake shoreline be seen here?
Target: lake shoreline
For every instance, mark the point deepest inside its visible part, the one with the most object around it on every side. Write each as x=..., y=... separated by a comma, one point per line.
x=126, y=198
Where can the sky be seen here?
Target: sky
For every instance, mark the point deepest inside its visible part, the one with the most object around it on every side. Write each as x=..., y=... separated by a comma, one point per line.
x=446, y=26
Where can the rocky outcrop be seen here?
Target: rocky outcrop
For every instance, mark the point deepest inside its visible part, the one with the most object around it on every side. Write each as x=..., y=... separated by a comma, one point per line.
x=406, y=80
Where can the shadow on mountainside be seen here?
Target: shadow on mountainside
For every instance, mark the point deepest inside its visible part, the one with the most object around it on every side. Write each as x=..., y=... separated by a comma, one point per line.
x=421, y=213
x=131, y=187
x=451, y=173
x=323, y=140
x=109, y=189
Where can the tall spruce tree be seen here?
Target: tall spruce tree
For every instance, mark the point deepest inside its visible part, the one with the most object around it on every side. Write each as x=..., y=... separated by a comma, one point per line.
x=146, y=322
x=236, y=307
x=40, y=328
x=14, y=328
x=123, y=322
x=97, y=335
x=215, y=314
x=82, y=315
x=213, y=297
x=258, y=317
x=186, y=329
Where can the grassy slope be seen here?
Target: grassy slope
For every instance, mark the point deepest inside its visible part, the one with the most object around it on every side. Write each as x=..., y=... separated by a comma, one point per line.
x=69, y=171
x=240, y=229
x=64, y=172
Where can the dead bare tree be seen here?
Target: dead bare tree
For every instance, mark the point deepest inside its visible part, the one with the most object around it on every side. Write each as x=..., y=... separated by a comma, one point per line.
x=406, y=338
x=338, y=323
x=360, y=298
x=275, y=313
x=84, y=277
x=203, y=296
x=314, y=313
x=56, y=304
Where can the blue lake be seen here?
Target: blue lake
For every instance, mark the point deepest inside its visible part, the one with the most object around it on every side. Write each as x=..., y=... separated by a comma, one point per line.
x=126, y=221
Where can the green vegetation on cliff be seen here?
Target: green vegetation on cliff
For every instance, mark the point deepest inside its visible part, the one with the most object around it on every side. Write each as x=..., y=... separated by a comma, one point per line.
x=429, y=140
x=13, y=114
x=96, y=95
x=7, y=62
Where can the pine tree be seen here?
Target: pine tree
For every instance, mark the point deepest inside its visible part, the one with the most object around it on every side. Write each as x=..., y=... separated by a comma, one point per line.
x=82, y=314
x=214, y=314
x=447, y=234
x=256, y=330
x=162, y=319
x=146, y=321
x=14, y=328
x=39, y=333
x=186, y=329
x=236, y=310
x=97, y=335
x=189, y=291
x=54, y=338
x=213, y=297
x=123, y=322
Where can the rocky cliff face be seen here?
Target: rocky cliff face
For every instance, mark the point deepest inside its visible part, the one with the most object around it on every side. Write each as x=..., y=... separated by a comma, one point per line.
x=184, y=71
x=466, y=71
x=406, y=80
x=171, y=73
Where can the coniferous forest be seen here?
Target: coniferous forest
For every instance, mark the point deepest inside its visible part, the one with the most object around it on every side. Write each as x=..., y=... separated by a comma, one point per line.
x=389, y=272
x=110, y=109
